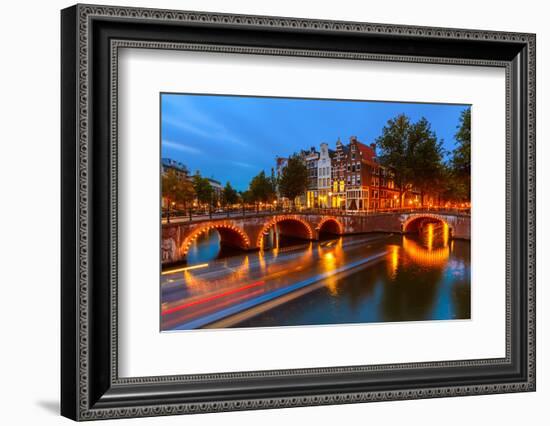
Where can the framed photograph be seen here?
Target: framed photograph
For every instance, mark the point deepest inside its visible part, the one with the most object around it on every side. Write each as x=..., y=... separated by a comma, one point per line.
x=263, y=212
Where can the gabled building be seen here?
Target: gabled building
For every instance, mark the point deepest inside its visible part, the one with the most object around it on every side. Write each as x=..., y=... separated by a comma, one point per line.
x=360, y=167
x=324, y=176
x=311, y=159
x=338, y=196
x=369, y=186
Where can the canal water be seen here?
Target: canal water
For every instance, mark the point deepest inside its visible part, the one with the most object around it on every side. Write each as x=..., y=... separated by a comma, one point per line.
x=424, y=276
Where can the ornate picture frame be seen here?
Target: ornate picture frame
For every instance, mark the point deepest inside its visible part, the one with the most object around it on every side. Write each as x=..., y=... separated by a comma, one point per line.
x=91, y=37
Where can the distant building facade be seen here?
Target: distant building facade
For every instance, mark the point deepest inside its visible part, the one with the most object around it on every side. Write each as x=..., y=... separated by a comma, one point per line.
x=181, y=170
x=311, y=159
x=339, y=160
x=324, y=177
x=217, y=188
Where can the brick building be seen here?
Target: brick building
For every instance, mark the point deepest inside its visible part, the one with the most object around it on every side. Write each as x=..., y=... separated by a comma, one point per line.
x=369, y=186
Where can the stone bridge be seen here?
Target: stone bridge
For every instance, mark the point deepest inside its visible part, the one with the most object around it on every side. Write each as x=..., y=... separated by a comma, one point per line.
x=247, y=232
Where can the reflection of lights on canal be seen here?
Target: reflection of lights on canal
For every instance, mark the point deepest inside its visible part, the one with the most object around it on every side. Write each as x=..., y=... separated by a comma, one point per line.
x=329, y=259
x=424, y=256
x=428, y=255
x=187, y=268
x=329, y=262
x=393, y=260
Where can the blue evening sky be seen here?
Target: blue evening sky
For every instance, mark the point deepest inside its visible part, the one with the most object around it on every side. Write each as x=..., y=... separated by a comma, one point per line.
x=233, y=138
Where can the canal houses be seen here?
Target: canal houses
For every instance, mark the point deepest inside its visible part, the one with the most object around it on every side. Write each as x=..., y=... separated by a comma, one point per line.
x=312, y=193
x=324, y=176
x=368, y=185
x=339, y=176
x=360, y=169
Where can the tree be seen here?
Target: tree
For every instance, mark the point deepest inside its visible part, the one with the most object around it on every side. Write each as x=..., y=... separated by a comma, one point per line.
x=461, y=156
x=414, y=155
x=245, y=197
x=293, y=179
x=229, y=195
x=203, y=189
x=261, y=188
x=454, y=188
x=176, y=190
x=397, y=152
x=427, y=156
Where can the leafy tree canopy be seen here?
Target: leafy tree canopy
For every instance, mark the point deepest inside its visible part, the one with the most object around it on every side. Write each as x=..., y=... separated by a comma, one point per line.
x=177, y=190
x=203, y=189
x=461, y=156
x=262, y=188
x=413, y=153
x=229, y=194
x=293, y=179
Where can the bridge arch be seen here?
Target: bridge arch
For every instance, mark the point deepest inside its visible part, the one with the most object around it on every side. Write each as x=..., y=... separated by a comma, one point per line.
x=415, y=221
x=230, y=235
x=330, y=225
x=289, y=225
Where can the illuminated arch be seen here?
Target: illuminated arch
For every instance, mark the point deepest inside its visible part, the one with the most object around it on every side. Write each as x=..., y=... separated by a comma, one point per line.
x=284, y=218
x=415, y=219
x=229, y=234
x=331, y=220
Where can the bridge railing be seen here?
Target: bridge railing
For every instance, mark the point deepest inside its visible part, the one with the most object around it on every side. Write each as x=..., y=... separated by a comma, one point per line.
x=178, y=216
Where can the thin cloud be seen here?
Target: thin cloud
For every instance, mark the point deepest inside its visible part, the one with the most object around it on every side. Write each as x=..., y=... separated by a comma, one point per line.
x=181, y=147
x=192, y=120
x=241, y=164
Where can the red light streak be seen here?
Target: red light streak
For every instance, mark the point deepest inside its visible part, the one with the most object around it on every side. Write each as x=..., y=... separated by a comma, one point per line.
x=210, y=298
x=197, y=314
